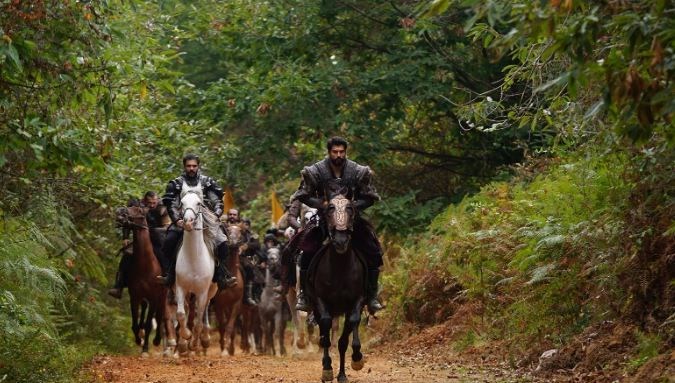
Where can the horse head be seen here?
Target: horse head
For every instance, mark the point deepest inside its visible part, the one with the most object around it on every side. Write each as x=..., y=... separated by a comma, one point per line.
x=273, y=256
x=191, y=208
x=235, y=235
x=340, y=215
x=132, y=217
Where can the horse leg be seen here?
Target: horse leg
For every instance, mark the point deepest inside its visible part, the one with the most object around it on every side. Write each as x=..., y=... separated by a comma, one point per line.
x=200, y=305
x=325, y=322
x=159, y=317
x=268, y=333
x=257, y=332
x=141, y=322
x=245, y=345
x=298, y=332
x=206, y=332
x=279, y=318
x=183, y=330
x=170, y=328
x=229, y=329
x=220, y=319
x=148, y=330
x=343, y=342
x=354, y=319
x=133, y=302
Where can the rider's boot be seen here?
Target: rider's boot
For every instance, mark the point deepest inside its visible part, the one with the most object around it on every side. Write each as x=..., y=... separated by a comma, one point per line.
x=222, y=275
x=302, y=304
x=169, y=279
x=170, y=250
x=373, y=304
x=248, y=294
x=116, y=291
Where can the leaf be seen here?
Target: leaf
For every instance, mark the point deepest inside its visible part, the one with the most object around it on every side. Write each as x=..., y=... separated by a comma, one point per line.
x=436, y=8
x=558, y=81
x=595, y=109
x=14, y=56
x=540, y=273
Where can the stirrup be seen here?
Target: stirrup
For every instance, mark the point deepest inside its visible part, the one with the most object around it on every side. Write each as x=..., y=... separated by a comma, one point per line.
x=115, y=293
x=162, y=280
x=374, y=306
x=302, y=304
x=226, y=282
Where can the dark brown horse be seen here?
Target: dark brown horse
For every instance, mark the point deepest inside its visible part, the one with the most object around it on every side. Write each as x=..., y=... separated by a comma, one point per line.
x=144, y=291
x=337, y=286
x=227, y=303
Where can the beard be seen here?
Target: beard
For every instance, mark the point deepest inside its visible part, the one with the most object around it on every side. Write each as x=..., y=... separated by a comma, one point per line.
x=192, y=177
x=339, y=161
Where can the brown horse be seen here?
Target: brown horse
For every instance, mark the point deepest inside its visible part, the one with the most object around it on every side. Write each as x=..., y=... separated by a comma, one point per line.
x=337, y=286
x=227, y=303
x=144, y=292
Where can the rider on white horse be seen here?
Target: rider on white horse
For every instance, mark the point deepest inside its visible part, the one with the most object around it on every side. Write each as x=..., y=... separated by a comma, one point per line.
x=213, y=198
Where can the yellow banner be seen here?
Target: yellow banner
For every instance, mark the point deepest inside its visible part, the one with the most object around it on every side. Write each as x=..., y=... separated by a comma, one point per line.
x=277, y=209
x=228, y=200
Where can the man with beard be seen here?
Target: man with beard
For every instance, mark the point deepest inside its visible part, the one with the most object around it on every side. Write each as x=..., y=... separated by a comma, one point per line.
x=337, y=171
x=213, y=199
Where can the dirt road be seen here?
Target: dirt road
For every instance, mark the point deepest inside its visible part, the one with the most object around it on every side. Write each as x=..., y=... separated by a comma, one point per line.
x=381, y=366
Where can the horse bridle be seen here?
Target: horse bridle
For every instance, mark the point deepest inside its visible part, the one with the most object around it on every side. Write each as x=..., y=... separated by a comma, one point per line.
x=197, y=213
x=129, y=217
x=341, y=218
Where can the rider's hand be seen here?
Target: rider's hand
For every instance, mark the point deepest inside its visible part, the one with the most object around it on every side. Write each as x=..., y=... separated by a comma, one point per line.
x=180, y=223
x=125, y=243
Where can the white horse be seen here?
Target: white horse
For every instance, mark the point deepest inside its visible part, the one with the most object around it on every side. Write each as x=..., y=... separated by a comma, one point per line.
x=195, y=265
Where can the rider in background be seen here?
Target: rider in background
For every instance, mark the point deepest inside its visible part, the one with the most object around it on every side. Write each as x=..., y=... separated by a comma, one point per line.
x=246, y=258
x=336, y=172
x=158, y=221
x=213, y=200
x=127, y=252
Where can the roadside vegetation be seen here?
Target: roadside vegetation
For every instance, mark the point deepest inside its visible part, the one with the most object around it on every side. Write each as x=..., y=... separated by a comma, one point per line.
x=524, y=152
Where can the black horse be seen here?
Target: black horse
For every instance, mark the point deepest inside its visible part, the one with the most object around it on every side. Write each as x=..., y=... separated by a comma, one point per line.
x=337, y=286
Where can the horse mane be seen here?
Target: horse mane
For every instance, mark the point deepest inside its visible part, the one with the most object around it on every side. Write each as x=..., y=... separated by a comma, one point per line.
x=212, y=232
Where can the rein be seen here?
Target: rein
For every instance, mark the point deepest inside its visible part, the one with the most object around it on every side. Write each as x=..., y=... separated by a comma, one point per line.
x=198, y=214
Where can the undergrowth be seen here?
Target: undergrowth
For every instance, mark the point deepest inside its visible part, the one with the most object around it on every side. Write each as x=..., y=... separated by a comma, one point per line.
x=544, y=256
x=51, y=318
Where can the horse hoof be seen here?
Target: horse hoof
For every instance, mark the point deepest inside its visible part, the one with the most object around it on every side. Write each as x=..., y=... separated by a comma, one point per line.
x=145, y=355
x=182, y=347
x=342, y=379
x=171, y=342
x=357, y=365
x=327, y=376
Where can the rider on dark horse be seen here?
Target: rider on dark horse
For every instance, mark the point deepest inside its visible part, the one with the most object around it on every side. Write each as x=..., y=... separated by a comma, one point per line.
x=213, y=200
x=158, y=221
x=246, y=259
x=336, y=172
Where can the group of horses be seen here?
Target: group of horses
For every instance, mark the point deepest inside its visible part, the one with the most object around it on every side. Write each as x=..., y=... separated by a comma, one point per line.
x=336, y=287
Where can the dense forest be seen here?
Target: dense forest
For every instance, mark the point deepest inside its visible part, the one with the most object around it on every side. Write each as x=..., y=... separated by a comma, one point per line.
x=523, y=151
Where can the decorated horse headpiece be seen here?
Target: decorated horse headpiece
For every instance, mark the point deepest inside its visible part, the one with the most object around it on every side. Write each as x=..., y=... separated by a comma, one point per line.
x=340, y=207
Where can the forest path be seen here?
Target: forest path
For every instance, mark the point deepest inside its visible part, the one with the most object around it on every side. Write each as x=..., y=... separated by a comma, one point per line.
x=382, y=365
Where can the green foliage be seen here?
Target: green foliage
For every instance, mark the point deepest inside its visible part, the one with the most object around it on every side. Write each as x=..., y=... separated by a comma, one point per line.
x=648, y=347
x=44, y=309
x=584, y=65
x=547, y=246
